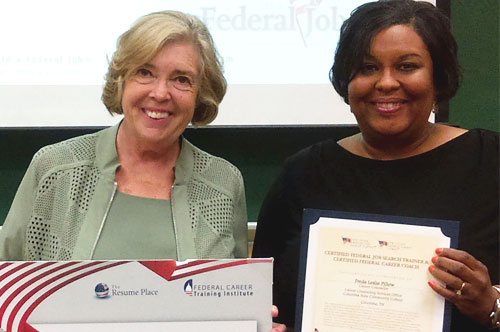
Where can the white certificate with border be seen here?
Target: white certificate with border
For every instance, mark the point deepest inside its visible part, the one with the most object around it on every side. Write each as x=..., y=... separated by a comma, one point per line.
x=366, y=275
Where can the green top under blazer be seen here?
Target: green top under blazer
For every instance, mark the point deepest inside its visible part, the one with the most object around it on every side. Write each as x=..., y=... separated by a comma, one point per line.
x=61, y=205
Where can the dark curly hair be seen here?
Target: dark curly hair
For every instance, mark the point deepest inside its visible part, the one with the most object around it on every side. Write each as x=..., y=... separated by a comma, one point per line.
x=432, y=25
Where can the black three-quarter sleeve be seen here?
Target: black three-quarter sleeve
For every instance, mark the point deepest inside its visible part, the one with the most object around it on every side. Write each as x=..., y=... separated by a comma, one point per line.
x=278, y=233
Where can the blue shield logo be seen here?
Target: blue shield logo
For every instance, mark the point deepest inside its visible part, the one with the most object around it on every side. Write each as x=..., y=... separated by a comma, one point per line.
x=188, y=287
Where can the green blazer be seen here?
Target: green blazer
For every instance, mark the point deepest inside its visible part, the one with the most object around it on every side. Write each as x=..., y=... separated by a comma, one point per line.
x=61, y=205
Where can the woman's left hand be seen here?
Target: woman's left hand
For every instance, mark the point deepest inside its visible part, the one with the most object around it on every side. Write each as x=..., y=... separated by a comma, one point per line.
x=467, y=280
x=277, y=327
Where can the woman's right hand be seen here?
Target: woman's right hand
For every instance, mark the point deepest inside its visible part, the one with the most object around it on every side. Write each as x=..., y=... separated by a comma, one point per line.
x=276, y=326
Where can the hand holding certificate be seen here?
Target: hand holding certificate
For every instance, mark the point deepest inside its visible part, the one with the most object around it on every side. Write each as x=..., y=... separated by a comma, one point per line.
x=370, y=275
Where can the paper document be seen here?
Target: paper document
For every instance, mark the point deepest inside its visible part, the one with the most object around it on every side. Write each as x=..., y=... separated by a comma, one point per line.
x=371, y=276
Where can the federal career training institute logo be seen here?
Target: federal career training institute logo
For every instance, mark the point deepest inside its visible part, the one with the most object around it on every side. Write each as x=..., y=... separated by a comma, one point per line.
x=188, y=287
x=101, y=290
x=346, y=240
x=218, y=290
x=382, y=243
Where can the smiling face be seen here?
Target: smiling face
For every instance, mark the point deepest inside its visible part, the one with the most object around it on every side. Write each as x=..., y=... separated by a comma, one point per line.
x=393, y=93
x=159, y=98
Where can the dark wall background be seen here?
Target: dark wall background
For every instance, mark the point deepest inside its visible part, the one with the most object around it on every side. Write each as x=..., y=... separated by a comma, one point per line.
x=475, y=25
x=259, y=152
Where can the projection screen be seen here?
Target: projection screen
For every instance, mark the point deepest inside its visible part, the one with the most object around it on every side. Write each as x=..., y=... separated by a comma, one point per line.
x=277, y=55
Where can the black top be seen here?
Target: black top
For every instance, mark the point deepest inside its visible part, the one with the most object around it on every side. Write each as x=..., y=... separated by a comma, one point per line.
x=458, y=180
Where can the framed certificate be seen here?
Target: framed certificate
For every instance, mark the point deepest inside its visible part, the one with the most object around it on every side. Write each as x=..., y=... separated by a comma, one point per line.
x=369, y=272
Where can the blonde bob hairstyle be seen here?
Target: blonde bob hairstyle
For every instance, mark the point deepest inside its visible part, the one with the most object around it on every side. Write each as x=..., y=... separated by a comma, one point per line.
x=145, y=39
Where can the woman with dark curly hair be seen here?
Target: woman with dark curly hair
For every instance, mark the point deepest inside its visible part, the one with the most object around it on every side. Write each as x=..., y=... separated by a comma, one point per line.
x=395, y=62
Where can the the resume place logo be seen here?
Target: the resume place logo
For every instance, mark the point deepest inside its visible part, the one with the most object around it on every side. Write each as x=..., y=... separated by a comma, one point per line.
x=101, y=290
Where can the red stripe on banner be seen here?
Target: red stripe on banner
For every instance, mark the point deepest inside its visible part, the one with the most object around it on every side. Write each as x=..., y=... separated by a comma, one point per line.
x=22, y=323
x=164, y=269
x=14, y=270
x=25, y=298
x=221, y=266
x=29, y=282
x=29, y=328
x=4, y=265
x=23, y=275
x=194, y=263
x=261, y=260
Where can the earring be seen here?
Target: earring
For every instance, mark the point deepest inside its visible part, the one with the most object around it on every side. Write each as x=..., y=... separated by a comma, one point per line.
x=435, y=108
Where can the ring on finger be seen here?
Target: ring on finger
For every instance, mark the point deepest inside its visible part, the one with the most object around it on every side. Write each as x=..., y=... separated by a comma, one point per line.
x=459, y=291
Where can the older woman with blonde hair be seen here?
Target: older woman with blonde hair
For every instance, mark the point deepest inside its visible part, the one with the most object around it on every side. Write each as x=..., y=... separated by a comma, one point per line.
x=138, y=190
